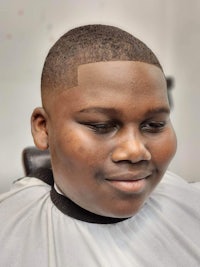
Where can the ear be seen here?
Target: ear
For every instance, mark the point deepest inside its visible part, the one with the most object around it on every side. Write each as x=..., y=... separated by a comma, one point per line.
x=39, y=128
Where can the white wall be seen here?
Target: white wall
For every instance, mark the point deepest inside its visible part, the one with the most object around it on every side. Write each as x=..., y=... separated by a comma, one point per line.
x=184, y=63
x=29, y=28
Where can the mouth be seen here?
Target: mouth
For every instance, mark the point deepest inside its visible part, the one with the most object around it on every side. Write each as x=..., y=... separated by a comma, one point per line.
x=129, y=183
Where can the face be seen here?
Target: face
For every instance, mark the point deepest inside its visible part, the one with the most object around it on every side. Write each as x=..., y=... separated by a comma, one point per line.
x=110, y=137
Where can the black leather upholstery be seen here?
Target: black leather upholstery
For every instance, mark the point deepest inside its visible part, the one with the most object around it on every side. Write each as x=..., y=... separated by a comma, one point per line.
x=170, y=85
x=34, y=159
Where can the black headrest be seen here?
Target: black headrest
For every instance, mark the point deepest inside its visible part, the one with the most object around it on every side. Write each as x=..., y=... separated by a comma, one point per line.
x=34, y=159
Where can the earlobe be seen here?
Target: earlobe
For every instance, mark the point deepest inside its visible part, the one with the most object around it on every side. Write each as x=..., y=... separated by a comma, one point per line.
x=39, y=128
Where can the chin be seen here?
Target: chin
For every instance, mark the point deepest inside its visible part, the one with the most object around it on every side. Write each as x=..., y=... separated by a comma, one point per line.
x=127, y=214
x=123, y=212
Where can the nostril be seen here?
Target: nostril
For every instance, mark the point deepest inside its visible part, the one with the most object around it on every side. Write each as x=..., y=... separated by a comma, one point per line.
x=131, y=153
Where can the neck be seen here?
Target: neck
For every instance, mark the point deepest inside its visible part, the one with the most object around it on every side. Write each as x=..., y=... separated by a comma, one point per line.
x=68, y=207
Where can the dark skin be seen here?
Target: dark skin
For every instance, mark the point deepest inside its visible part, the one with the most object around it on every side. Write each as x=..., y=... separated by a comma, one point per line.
x=110, y=137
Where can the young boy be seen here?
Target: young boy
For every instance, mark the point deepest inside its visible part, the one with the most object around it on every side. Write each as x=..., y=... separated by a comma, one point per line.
x=105, y=119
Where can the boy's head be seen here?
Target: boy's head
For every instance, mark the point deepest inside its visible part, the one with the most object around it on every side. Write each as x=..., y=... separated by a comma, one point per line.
x=89, y=44
x=105, y=119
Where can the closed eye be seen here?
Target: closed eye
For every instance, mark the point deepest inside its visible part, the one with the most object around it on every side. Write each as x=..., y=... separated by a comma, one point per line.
x=153, y=126
x=102, y=127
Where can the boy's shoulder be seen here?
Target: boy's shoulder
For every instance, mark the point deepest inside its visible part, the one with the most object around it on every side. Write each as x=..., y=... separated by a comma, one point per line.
x=176, y=197
x=23, y=194
x=173, y=180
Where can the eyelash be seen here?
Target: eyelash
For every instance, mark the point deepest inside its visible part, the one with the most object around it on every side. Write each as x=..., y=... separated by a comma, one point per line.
x=102, y=128
x=153, y=126
x=108, y=127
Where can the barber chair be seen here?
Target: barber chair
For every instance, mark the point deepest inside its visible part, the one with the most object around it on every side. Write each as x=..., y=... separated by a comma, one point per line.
x=37, y=163
x=34, y=159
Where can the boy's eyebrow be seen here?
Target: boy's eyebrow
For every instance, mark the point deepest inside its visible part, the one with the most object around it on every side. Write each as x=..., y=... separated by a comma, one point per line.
x=100, y=110
x=157, y=110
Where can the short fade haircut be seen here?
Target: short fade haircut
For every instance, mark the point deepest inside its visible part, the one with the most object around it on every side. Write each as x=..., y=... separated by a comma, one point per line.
x=90, y=44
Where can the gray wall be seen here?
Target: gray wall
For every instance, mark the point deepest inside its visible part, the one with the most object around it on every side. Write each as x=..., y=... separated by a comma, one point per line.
x=29, y=28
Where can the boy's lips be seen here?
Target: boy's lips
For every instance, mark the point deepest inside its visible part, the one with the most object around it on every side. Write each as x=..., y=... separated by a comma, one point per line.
x=129, y=183
x=129, y=176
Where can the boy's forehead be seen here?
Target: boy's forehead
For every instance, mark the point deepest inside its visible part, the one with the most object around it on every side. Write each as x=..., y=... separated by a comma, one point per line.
x=101, y=70
x=106, y=79
x=109, y=84
x=112, y=84
x=118, y=72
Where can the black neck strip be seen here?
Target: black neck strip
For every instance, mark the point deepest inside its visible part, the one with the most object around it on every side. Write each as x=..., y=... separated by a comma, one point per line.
x=68, y=207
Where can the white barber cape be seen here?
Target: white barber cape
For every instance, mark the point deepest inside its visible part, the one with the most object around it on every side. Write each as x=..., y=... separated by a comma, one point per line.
x=164, y=233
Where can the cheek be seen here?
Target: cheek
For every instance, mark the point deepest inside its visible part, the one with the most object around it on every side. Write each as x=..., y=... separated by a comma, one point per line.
x=76, y=148
x=164, y=149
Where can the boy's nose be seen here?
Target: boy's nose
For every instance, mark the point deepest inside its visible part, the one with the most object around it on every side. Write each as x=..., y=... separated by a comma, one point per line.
x=132, y=150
